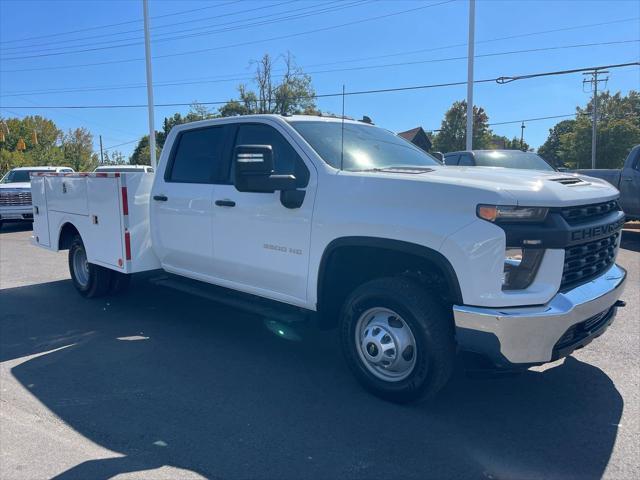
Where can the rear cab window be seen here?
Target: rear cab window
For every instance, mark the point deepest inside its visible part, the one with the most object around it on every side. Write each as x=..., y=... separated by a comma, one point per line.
x=199, y=156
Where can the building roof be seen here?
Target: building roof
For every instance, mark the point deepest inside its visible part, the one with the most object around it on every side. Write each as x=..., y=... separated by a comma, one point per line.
x=413, y=133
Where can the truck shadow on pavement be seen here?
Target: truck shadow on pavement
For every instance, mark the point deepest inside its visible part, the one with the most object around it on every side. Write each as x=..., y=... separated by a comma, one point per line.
x=165, y=378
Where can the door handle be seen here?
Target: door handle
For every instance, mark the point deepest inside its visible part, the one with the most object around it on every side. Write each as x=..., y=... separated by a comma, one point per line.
x=225, y=203
x=628, y=179
x=160, y=198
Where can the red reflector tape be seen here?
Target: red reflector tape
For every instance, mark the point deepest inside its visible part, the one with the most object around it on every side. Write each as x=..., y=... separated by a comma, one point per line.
x=127, y=245
x=125, y=201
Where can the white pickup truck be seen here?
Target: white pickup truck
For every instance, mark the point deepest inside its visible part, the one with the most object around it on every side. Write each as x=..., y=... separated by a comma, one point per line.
x=349, y=225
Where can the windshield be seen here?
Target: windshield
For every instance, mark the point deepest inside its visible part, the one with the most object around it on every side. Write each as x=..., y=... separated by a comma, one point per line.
x=511, y=159
x=17, y=176
x=365, y=147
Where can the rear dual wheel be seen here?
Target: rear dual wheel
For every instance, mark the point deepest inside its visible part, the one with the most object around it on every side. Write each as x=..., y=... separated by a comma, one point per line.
x=92, y=280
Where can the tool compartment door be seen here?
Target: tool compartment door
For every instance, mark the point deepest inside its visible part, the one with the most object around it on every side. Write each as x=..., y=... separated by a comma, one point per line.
x=104, y=236
x=40, y=212
x=67, y=194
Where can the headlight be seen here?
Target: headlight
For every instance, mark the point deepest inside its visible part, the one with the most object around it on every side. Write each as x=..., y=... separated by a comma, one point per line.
x=520, y=267
x=503, y=213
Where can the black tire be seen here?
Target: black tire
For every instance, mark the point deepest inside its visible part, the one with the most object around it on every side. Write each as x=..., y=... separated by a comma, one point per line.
x=98, y=278
x=119, y=283
x=430, y=323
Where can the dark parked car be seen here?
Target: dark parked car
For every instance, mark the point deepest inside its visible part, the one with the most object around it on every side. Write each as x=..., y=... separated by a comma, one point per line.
x=627, y=180
x=497, y=158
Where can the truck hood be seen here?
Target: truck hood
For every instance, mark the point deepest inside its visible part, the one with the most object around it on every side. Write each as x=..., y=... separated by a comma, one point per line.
x=16, y=186
x=526, y=187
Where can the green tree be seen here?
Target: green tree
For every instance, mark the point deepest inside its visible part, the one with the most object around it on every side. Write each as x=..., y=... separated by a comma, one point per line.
x=503, y=143
x=550, y=150
x=77, y=150
x=452, y=134
x=286, y=94
x=569, y=141
x=141, y=154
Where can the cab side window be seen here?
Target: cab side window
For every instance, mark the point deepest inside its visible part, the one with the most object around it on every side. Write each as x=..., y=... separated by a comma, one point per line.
x=285, y=159
x=198, y=156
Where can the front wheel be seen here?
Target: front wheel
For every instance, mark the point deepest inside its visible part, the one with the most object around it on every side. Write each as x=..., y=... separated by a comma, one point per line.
x=89, y=279
x=398, y=339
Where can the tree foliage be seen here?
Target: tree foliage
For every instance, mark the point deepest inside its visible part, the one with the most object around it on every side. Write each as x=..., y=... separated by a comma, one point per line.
x=77, y=150
x=45, y=144
x=286, y=94
x=452, y=134
x=569, y=141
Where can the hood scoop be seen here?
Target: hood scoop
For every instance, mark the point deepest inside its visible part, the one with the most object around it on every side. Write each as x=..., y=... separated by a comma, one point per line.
x=568, y=180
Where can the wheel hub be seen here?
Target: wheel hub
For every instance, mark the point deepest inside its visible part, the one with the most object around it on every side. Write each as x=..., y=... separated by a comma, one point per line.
x=385, y=344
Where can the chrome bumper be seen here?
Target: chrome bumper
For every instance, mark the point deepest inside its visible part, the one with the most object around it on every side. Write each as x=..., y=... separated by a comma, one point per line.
x=528, y=335
x=18, y=212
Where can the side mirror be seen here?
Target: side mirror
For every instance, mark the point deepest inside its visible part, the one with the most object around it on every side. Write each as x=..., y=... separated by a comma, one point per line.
x=254, y=170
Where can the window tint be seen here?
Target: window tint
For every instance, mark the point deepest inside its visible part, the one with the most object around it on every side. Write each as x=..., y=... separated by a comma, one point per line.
x=285, y=159
x=451, y=159
x=199, y=156
x=466, y=160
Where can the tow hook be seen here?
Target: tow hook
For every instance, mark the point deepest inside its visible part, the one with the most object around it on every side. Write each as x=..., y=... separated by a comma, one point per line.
x=620, y=303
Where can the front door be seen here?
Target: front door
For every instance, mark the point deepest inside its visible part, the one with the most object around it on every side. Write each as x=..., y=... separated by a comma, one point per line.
x=260, y=246
x=182, y=201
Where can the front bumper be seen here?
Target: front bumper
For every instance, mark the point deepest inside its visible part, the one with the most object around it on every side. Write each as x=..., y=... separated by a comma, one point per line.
x=534, y=335
x=20, y=212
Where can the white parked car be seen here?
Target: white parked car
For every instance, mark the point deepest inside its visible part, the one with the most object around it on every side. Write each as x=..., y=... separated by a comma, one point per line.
x=346, y=224
x=15, y=192
x=124, y=168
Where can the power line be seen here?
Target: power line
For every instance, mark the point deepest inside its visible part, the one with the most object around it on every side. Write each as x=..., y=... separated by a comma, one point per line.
x=240, y=44
x=498, y=80
x=261, y=20
x=367, y=67
x=503, y=80
x=122, y=144
x=129, y=22
x=409, y=52
x=155, y=27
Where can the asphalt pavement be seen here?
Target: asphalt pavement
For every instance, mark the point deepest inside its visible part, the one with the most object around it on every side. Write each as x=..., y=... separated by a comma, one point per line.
x=159, y=384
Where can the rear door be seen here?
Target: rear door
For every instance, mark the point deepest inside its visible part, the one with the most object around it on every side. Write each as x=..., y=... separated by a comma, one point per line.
x=182, y=201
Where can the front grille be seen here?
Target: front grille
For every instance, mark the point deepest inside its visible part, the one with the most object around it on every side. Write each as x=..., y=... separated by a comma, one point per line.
x=585, y=213
x=582, y=330
x=14, y=199
x=588, y=260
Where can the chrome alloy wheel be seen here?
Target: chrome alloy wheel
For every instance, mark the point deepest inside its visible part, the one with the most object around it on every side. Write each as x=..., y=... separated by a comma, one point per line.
x=81, y=267
x=385, y=344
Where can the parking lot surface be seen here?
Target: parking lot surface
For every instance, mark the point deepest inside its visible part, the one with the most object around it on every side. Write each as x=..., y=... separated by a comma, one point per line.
x=159, y=384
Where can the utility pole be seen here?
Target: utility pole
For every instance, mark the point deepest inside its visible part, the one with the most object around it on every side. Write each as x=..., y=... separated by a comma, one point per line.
x=594, y=120
x=522, y=127
x=470, y=59
x=147, y=54
x=101, y=154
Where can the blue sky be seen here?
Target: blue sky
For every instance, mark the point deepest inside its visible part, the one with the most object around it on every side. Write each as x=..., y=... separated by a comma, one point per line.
x=423, y=33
